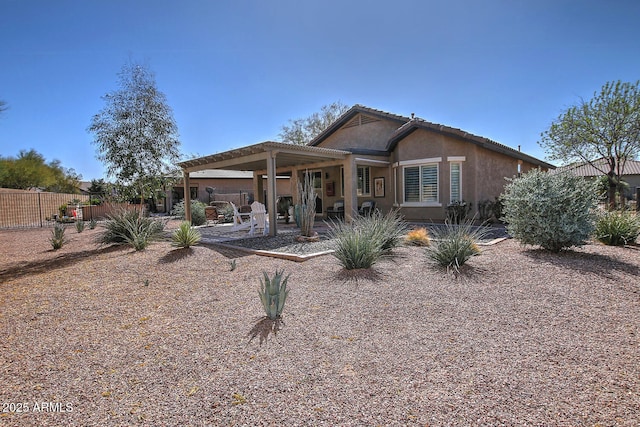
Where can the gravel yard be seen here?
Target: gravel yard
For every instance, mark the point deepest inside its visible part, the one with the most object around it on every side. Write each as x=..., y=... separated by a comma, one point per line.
x=109, y=336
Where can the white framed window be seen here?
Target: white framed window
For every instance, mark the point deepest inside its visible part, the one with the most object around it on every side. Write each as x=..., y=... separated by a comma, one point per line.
x=456, y=182
x=363, y=179
x=421, y=184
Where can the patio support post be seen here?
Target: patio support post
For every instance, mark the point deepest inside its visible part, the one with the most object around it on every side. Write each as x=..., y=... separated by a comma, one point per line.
x=271, y=193
x=294, y=186
x=187, y=196
x=350, y=188
x=258, y=188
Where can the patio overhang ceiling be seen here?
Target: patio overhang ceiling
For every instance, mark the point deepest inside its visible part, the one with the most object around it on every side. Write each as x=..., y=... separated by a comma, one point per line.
x=254, y=157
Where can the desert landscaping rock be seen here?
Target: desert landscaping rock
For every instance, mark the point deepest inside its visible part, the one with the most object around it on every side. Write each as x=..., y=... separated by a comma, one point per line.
x=174, y=337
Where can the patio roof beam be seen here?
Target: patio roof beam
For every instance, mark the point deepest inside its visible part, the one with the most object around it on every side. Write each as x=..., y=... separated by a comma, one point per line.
x=224, y=162
x=319, y=165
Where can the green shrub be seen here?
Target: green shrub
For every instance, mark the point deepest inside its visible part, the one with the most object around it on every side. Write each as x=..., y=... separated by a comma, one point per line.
x=198, y=216
x=452, y=245
x=273, y=294
x=362, y=243
x=130, y=228
x=227, y=211
x=57, y=238
x=80, y=226
x=554, y=211
x=617, y=228
x=93, y=223
x=185, y=236
x=457, y=211
x=491, y=211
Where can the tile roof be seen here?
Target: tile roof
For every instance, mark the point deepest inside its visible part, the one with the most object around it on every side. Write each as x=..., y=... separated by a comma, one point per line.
x=351, y=112
x=410, y=124
x=632, y=167
x=418, y=123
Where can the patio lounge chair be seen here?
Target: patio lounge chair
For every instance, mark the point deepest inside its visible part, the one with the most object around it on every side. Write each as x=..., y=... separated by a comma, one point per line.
x=367, y=208
x=241, y=221
x=258, y=219
x=337, y=210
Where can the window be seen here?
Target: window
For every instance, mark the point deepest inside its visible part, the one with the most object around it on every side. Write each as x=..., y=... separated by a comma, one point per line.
x=363, y=178
x=456, y=182
x=364, y=181
x=421, y=184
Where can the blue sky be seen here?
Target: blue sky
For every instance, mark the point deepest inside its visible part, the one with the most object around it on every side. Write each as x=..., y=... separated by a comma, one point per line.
x=235, y=71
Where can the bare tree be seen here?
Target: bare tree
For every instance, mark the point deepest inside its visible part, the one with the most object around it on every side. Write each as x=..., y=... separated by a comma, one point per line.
x=302, y=131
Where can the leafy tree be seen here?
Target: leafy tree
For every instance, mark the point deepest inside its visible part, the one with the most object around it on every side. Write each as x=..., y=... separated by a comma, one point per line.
x=302, y=131
x=135, y=133
x=603, y=132
x=65, y=180
x=30, y=170
x=98, y=188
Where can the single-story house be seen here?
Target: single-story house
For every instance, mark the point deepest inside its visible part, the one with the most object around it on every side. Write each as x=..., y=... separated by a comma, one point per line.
x=407, y=163
x=630, y=175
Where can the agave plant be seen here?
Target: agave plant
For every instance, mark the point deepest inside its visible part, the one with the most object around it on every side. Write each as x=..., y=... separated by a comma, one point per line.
x=273, y=293
x=57, y=238
x=185, y=236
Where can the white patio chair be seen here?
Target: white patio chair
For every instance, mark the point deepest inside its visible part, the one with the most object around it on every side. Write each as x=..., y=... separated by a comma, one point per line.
x=239, y=222
x=259, y=219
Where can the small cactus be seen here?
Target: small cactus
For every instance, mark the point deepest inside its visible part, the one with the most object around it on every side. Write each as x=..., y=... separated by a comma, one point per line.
x=273, y=294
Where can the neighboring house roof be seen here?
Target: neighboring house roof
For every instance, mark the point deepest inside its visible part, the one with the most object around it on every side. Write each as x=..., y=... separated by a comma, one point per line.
x=631, y=167
x=407, y=125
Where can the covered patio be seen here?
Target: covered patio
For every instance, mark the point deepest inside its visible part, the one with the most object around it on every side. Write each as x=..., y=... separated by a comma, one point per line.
x=272, y=158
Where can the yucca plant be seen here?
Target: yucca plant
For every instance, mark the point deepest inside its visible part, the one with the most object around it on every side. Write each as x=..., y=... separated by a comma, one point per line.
x=185, y=236
x=57, y=238
x=617, y=228
x=418, y=237
x=453, y=245
x=388, y=230
x=273, y=293
x=130, y=228
x=80, y=226
x=92, y=224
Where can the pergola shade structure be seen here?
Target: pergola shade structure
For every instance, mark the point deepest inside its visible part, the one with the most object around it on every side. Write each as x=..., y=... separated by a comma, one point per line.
x=266, y=157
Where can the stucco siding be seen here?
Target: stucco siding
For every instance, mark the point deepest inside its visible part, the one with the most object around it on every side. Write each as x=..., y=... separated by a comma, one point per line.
x=483, y=171
x=371, y=136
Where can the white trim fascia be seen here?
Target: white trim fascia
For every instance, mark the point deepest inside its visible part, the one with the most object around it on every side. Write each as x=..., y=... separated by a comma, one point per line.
x=360, y=161
x=417, y=162
x=456, y=159
x=420, y=205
